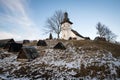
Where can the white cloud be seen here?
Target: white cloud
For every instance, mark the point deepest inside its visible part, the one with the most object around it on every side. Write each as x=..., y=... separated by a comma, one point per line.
x=15, y=12
x=14, y=7
x=6, y=35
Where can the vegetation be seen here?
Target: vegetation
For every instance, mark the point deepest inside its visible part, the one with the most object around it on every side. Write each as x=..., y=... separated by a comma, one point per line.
x=101, y=45
x=88, y=45
x=50, y=37
x=86, y=57
x=105, y=32
x=54, y=23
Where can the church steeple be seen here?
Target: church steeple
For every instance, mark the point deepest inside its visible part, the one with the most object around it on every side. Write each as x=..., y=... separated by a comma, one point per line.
x=66, y=16
x=66, y=19
x=66, y=30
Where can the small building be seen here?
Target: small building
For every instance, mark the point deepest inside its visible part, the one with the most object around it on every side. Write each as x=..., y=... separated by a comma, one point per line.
x=100, y=39
x=15, y=47
x=67, y=32
x=5, y=42
x=26, y=41
x=41, y=43
x=59, y=45
x=27, y=53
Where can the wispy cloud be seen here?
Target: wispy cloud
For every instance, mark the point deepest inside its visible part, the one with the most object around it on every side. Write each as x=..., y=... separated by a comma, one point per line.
x=4, y=35
x=15, y=13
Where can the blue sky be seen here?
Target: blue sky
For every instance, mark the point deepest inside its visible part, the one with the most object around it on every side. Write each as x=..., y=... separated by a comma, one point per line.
x=26, y=19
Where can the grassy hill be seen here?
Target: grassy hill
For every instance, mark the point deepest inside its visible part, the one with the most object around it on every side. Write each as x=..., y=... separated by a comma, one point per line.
x=112, y=47
x=82, y=60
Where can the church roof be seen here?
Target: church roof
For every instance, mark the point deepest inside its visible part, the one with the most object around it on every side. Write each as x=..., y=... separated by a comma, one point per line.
x=66, y=19
x=76, y=33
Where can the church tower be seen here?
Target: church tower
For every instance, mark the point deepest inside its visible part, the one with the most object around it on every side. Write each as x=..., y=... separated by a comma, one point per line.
x=66, y=27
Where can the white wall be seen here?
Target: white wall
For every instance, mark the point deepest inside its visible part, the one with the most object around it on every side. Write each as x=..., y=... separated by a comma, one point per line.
x=66, y=32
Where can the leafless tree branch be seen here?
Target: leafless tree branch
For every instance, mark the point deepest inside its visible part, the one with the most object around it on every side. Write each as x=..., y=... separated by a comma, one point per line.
x=54, y=23
x=104, y=31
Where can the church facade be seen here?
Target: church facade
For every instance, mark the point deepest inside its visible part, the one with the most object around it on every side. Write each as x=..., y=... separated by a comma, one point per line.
x=67, y=32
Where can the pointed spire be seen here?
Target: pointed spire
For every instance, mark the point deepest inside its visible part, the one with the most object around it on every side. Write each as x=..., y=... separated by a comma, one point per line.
x=66, y=19
x=66, y=15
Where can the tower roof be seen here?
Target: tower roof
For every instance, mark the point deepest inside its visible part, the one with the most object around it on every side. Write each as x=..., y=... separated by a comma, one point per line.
x=66, y=19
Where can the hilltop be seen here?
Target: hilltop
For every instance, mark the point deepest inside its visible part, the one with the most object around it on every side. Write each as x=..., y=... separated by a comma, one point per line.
x=84, y=59
x=86, y=45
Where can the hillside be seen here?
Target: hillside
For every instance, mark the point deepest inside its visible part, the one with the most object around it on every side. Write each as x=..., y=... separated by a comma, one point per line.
x=82, y=60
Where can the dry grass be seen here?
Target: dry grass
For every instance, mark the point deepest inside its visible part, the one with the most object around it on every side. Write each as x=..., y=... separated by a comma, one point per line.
x=94, y=71
x=1, y=71
x=101, y=45
x=86, y=45
x=31, y=43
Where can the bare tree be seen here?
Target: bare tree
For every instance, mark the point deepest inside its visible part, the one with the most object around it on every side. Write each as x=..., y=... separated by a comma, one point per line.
x=105, y=32
x=101, y=29
x=110, y=36
x=54, y=23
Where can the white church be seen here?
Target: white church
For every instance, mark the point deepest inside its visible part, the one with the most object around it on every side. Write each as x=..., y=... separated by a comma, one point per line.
x=67, y=32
